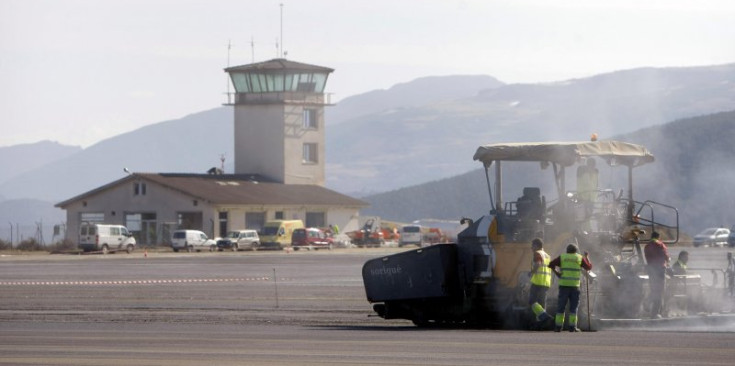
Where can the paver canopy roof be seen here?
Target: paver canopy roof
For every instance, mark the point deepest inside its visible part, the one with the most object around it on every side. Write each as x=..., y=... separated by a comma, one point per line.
x=565, y=153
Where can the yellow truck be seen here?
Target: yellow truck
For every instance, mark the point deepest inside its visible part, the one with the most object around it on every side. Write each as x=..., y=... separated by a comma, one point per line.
x=277, y=233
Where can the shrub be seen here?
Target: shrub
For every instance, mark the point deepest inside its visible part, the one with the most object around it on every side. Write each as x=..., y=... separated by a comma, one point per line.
x=30, y=245
x=65, y=245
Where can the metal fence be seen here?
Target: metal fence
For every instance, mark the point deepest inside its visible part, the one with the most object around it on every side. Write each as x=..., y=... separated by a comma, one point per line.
x=44, y=233
x=47, y=234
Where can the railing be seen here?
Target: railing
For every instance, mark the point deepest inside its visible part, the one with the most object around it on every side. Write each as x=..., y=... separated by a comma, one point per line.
x=306, y=98
x=652, y=223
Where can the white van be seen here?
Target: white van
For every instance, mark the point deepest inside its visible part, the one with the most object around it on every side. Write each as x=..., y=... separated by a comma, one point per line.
x=105, y=238
x=192, y=240
x=411, y=234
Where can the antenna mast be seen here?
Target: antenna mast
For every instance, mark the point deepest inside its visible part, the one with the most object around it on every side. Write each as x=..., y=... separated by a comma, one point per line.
x=227, y=78
x=252, y=49
x=281, y=52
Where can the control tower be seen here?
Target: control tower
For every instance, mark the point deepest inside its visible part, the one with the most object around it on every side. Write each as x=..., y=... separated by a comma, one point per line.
x=279, y=120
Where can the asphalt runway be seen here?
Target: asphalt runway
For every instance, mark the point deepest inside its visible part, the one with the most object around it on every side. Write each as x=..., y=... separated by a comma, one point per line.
x=277, y=308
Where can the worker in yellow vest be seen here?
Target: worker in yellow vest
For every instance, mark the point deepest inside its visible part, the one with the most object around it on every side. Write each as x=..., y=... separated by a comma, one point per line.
x=540, y=281
x=569, y=267
x=680, y=267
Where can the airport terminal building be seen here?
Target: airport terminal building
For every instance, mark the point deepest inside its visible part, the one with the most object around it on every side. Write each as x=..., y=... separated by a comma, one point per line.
x=279, y=168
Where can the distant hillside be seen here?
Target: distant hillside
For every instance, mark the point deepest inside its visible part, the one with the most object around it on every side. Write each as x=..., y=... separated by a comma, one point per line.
x=403, y=147
x=693, y=171
x=419, y=92
x=19, y=159
x=192, y=144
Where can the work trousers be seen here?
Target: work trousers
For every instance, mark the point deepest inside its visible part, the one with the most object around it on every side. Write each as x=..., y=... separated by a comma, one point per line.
x=570, y=295
x=656, y=284
x=537, y=294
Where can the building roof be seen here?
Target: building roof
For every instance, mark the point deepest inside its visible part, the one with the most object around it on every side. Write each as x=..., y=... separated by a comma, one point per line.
x=278, y=65
x=235, y=189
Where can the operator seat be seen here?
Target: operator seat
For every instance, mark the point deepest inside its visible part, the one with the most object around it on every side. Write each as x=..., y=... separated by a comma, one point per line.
x=531, y=205
x=529, y=221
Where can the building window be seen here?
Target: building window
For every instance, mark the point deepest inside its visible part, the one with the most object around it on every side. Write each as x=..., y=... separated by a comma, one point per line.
x=139, y=189
x=315, y=219
x=255, y=220
x=279, y=215
x=310, y=153
x=310, y=121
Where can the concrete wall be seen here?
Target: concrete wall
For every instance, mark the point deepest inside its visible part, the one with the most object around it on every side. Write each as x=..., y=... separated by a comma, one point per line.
x=259, y=140
x=298, y=171
x=345, y=218
x=269, y=139
x=166, y=203
x=118, y=201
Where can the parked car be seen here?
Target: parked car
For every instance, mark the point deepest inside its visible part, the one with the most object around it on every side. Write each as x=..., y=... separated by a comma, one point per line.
x=105, y=238
x=239, y=239
x=731, y=237
x=192, y=240
x=714, y=236
x=310, y=238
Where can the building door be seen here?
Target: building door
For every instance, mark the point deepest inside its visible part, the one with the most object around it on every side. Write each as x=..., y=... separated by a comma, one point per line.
x=143, y=226
x=148, y=229
x=223, y=223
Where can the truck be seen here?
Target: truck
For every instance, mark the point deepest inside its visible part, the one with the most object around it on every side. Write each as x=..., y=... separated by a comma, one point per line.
x=370, y=235
x=277, y=234
x=482, y=278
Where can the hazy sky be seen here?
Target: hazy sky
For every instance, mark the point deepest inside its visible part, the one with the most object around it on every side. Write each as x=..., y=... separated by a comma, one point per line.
x=78, y=72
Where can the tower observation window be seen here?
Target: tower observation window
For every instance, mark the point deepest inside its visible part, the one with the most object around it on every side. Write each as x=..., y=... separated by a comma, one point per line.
x=279, y=82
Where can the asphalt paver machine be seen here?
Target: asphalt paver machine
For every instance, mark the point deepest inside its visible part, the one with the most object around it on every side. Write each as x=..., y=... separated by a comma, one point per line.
x=482, y=279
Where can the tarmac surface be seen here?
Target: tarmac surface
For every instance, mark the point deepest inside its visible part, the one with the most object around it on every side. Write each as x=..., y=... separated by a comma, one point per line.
x=278, y=308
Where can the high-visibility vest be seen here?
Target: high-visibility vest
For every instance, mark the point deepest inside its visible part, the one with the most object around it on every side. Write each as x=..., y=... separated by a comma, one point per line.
x=542, y=277
x=682, y=267
x=571, y=269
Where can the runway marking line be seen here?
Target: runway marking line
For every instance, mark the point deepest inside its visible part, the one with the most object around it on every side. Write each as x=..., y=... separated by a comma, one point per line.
x=133, y=282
